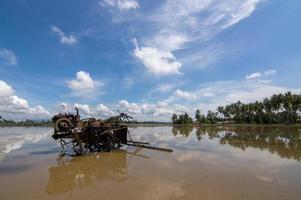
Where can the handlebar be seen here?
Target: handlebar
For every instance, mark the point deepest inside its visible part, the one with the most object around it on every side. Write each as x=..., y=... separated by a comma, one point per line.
x=124, y=115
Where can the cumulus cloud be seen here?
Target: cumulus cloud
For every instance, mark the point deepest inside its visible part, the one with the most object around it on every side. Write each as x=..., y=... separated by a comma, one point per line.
x=159, y=111
x=8, y=57
x=6, y=90
x=148, y=111
x=104, y=110
x=122, y=5
x=12, y=106
x=68, y=40
x=82, y=81
x=158, y=62
x=185, y=95
x=84, y=86
x=130, y=107
x=86, y=110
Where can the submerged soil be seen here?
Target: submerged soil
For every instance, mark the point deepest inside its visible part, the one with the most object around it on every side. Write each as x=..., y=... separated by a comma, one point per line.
x=207, y=163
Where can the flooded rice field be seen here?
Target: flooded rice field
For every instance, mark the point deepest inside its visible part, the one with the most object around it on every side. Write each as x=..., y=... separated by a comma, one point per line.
x=207, y=163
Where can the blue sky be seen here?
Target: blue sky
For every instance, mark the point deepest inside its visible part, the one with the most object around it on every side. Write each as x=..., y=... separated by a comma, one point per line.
x=147, y=58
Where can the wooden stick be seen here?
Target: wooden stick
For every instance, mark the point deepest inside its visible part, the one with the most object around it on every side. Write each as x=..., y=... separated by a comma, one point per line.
x=136, y=142
x=150, y=147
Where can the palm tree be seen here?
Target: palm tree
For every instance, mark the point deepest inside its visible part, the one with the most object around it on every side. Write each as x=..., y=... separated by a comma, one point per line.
x=174, y=118
x=198, y=115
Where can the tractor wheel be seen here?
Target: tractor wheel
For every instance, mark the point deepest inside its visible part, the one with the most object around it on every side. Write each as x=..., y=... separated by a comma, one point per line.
x=62, y=124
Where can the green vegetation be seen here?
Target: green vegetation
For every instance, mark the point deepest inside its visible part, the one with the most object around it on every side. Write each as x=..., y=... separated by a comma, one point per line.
x=278, y=109
x=4, y=122
x=182, y=119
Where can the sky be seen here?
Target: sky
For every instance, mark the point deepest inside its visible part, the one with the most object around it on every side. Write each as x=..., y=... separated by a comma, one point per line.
x=148, y=58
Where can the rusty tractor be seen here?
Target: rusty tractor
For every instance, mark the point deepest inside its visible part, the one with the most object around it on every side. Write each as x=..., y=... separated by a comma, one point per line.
x=94, y=135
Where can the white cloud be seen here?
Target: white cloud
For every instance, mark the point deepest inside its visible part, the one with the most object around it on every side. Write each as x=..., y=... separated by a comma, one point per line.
x=69, y=40
x=158, y=62
x=169, y=41
x=84, y=86
x=185, y=95
x=253, y=76
x=104, y=110
x=12, y=106
x=130, y=107
x=86, y=110
x=82, y=81
x=258, y=75
x=38, y=110
x=270, y=72
x=151, y=111
x=122, y=5
x=5, y=89
x=179, y=25
x=8, y=56
x=237, y=11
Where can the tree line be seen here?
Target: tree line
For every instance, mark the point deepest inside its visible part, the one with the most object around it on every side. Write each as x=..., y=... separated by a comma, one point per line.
x=277, y=109
x=10, y=122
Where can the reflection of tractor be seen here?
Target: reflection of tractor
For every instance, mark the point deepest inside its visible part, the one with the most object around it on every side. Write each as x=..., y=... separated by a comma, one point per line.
x=90, y=135
x=84, y=171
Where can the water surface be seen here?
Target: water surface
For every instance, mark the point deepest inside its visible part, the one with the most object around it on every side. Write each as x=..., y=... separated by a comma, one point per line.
x=207, y=163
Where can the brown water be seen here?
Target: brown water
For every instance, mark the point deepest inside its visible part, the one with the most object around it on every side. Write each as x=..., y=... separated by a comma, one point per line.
x=213, y=163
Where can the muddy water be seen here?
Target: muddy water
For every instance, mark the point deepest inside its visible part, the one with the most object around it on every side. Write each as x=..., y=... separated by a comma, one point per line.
x=207, y=163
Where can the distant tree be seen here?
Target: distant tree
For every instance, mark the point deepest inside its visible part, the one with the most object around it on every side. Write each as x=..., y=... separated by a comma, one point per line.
x=174, y=118
x=198, y=115
x=222, y=111
x=182, y=119
x=279, y=109
x=187, y=119
x=211, y=117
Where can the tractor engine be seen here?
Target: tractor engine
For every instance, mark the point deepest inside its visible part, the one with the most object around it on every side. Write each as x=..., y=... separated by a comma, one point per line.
x=64, y=123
